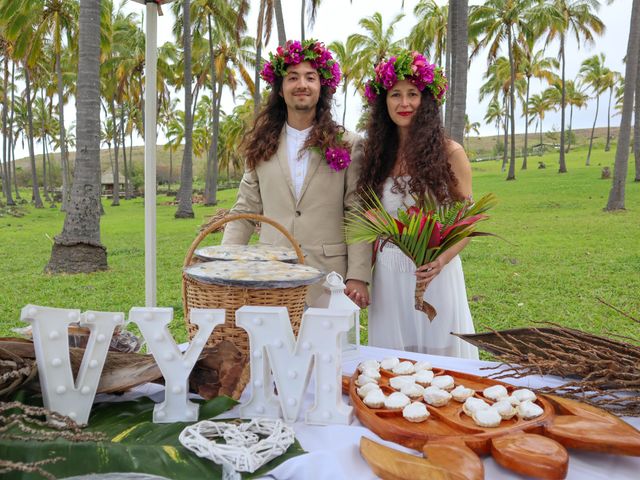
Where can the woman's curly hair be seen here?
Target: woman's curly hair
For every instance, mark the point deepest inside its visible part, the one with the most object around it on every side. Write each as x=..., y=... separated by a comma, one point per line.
x=425, y=154
x=261, y=143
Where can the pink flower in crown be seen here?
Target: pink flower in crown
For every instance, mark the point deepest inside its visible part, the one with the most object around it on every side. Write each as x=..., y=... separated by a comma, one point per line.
x=338, y=158
x=336, y=74
x=370, y=92
x=387, y=74
x=293, y=56
x=268, y=74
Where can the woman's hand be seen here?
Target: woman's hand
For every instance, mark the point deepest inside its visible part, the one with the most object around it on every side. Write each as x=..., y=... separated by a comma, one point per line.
x=427, y=272
x=358, y=292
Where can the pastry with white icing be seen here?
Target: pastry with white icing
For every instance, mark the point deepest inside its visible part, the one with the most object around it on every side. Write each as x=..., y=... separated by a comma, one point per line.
x=396, y=401
x=415, y=412
x=495, y=392
x=461, y=393
x=366, y=388
x=505, y=409
x=389, y=362
x=413, y=391
x=423, y=377
x=473, y=404
x=528, y=410
x=364, y=379
x=367, y=364
x=375, y=399
x=422, y=366
x=372, y=373
x=444, y=382
x=403, y=368
x=487, y=418
x=398, y=382
x=524, y=394
x=436, y=396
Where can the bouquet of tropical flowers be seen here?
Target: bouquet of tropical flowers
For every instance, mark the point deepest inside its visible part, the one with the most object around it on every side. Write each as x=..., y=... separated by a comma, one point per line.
x=423, y=231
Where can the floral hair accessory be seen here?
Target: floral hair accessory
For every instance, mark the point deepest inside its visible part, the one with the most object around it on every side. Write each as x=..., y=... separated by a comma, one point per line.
x=295, y=52
x=411, y=66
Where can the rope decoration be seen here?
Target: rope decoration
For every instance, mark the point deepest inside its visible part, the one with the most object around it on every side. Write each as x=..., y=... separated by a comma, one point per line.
x=244, y=450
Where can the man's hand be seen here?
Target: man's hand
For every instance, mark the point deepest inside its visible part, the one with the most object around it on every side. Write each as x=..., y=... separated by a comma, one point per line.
x=357, y=291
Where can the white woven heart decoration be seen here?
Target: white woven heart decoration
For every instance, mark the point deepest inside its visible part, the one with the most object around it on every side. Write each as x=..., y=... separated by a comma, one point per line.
x=243, y=450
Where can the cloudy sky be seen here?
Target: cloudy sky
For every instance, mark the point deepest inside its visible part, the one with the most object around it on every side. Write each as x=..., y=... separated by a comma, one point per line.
x=337, y=19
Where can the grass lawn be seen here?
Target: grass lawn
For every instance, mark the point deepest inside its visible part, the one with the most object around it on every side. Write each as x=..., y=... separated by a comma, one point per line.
x=562, y=253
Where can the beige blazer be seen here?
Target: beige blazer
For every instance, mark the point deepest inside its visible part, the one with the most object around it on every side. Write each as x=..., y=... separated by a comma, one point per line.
x=316, y=219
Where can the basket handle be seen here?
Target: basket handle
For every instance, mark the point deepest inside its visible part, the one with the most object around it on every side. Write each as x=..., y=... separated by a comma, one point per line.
x=242, y=216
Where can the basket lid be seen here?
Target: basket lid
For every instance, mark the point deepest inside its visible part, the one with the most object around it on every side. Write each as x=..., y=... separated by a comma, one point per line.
x=247, y=252
x=254, y=274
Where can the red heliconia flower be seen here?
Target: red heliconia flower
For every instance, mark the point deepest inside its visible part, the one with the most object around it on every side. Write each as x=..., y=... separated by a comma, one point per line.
x=466, y=221
x=436, y=236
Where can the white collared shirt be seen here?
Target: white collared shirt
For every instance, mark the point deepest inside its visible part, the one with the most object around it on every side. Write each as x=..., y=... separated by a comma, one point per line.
x=298, y=161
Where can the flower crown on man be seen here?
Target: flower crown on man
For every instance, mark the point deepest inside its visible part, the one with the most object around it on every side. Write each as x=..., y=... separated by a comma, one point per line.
x=295, y=52
x=411, y=66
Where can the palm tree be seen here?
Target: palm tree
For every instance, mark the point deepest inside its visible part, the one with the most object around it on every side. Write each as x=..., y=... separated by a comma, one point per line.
x=174, y=131
x=594, y=73
x=455, y=120
x=185, y=208
x=565, y=18
x=536, y=66
x=495, y=114
x=575, y=97
x=611, y=80
x=539, y=104
x=636, y=126
x=377, y=43
x=313, y=10
x=346, y=55
x=616, y=195
x=78, y=247
x=497, y=20
x=429, y=34
x=470, y=127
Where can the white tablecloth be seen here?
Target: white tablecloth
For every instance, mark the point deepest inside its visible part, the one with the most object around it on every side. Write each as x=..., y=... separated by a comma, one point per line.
x=333, y=451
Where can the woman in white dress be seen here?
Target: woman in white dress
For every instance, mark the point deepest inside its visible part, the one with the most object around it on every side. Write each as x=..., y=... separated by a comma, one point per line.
x=406, y=152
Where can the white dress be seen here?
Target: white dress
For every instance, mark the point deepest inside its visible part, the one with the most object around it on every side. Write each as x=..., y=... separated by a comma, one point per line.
x=395, y=323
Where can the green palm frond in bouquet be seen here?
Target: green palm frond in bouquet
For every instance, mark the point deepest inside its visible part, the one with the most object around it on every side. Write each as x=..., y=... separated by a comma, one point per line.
x=422, y=231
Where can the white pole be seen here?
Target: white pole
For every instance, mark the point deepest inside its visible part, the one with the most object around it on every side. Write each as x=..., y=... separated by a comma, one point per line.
x=150, y=155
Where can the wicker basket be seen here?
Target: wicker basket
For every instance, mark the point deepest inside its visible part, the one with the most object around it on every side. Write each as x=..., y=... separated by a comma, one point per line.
x=196, y=294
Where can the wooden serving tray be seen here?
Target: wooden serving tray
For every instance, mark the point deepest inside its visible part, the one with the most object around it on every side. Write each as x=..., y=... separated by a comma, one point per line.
x=530, y=447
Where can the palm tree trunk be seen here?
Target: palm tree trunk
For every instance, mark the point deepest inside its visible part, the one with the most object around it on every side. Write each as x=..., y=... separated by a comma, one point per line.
x=32, y=156
x=506, y=134
x=344, y=106
x=616, y=195
x=525, y=150
x=588, y=162
x=607, y=147
x=302, y=20
x=45, y=183
x=636, y=127
x=570, y=124
x=78, y=248
x=64, y=155
x=12, y=145
x=115, y=201
x=512, y=108
x=282, y=36
x=185, y=207
x=209, y=188
x=459, y=58
x=562, y=168
x=6, y=158
x=256, y=80
x=448, y=106
x=127, y=190
x=170, y=167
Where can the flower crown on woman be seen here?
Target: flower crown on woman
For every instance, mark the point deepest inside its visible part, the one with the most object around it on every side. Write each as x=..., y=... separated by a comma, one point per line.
x=295, y=52
x=411, y=66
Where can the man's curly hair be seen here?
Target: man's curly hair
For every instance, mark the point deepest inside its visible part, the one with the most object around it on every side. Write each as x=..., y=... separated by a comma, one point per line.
x=261, y=143
x=425, y=155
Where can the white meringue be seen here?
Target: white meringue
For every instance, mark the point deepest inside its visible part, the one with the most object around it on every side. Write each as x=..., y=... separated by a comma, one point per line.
x=461, y=393
x=415, y=412
x=445, y=382
x=524, y=394
x=375, y=399
x=436, y=396
x=495, y=392
x=528, y=410
x=413, y=390
x=488, y=418
x=398, y=382
x=423, y=377
x=396, y=401
x=403, y=368
x=473, y=404
x=366, y=388
x=505, y=409
x=369, y=364
x=389, y=362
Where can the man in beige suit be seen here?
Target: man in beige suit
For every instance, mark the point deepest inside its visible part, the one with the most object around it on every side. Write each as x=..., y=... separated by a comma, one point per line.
x=302, y=168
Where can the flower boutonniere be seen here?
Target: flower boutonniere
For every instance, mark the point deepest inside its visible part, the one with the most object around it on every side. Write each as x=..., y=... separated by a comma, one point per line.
x=338, y=156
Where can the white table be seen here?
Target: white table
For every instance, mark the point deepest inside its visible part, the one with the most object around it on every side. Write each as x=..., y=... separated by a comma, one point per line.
x=333, y=451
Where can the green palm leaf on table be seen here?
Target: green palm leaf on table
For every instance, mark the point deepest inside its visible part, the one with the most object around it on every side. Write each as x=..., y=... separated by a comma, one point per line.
x=422, y=232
